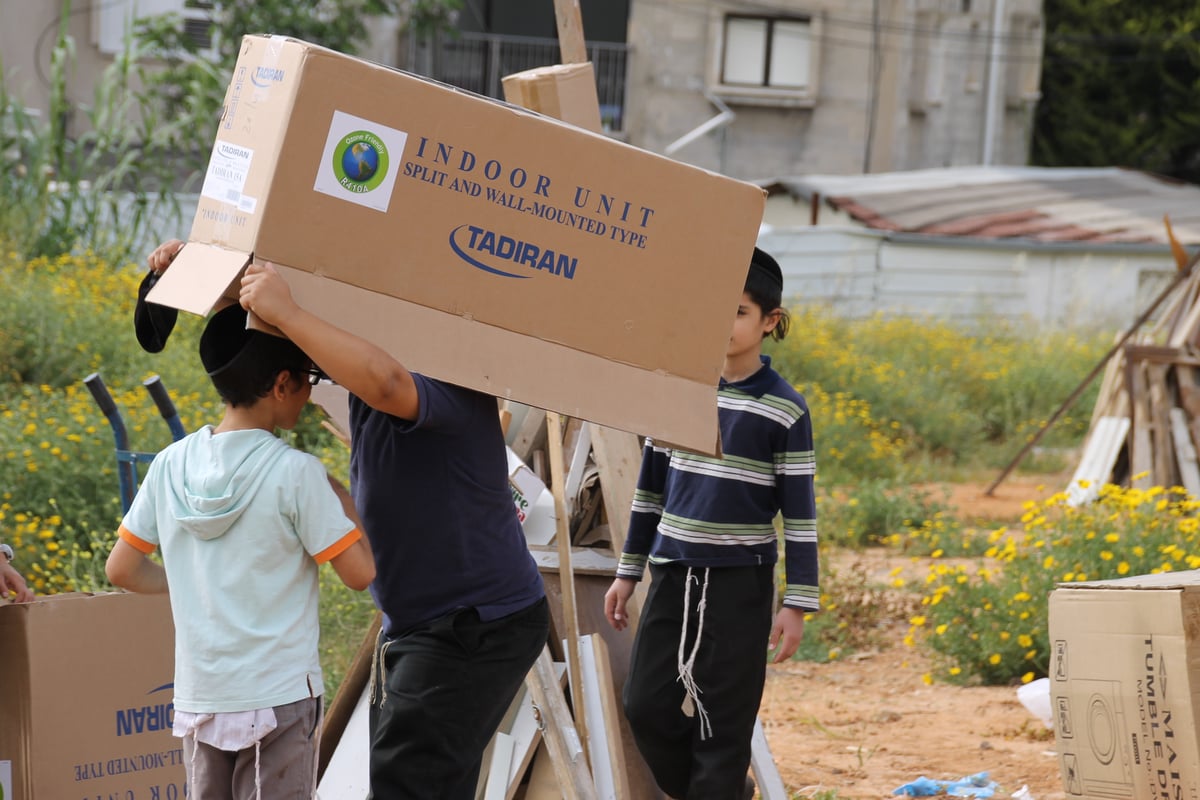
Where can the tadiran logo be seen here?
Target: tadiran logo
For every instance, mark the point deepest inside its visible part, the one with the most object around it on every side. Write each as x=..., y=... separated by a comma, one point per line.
x=360, y=161
x=490, y=251
x=263, y=77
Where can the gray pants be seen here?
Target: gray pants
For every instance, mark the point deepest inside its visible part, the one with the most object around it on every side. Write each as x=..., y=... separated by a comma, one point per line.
x=281, y=767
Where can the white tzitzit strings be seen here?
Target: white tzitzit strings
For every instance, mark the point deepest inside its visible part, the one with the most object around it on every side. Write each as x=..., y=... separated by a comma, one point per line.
x=686, y=665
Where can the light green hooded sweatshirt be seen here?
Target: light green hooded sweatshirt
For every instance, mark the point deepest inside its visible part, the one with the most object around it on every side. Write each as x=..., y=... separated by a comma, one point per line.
x=242, y=520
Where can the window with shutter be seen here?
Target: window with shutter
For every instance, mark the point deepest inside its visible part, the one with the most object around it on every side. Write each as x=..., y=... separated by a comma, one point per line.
x=767, y=60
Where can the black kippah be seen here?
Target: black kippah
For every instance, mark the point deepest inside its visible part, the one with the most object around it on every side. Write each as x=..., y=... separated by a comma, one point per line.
x=152, y=323
x=763, y=263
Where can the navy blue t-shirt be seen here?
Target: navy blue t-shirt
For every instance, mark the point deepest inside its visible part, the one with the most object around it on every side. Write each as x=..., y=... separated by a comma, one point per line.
x=434, y=497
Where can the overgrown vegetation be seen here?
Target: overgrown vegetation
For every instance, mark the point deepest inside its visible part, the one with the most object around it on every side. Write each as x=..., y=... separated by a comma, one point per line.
x=987, y=619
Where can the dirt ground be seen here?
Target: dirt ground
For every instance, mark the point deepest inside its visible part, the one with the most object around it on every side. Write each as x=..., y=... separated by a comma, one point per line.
x=864, y=726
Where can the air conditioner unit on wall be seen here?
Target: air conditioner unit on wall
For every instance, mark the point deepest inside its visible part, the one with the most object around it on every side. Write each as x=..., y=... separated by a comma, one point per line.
x=112, y=20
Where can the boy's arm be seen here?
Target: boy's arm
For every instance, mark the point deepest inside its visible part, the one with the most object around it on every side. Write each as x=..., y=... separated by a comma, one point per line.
x=795, y=474
x=129, y=568
x=356, y=564
x=366, y=370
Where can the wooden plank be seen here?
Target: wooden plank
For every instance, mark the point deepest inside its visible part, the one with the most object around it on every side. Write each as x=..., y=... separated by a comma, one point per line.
x=1160, y=426
x=1099, y=456
x=1189, y=390
x=766, y=774
x=346, y=775
x=554, y=436
x=584, y=560
x=527, y=737
x=496, y=787
x=559, y=734
x=579, y=456
x=608, y=708
x=358, y=675
x=1141, y=460
x=1185, y=452
x=571, y=44
x=486, y=767
x=543, y=785
x=619, y=458
x=589, y=590
x=1185, y=331
x=531, y=435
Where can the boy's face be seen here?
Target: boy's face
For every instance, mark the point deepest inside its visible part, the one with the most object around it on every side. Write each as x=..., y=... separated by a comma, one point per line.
x=749, y=328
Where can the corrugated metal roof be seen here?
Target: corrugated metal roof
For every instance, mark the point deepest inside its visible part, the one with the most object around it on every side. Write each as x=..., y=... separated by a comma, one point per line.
x=1107, y=204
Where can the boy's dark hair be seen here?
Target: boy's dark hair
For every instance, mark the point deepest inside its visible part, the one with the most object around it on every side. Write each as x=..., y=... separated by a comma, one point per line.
x=243, y=364
x=764, y=284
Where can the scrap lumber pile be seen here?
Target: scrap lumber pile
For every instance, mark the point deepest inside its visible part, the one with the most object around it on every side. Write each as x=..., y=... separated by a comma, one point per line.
x=1145, y=426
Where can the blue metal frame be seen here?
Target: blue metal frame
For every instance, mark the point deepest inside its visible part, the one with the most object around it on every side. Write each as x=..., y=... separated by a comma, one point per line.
x=127, y=460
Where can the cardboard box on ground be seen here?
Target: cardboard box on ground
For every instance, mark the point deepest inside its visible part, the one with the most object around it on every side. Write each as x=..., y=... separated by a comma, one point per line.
x=478, y=242
x=1125, y=686
x=89, y=699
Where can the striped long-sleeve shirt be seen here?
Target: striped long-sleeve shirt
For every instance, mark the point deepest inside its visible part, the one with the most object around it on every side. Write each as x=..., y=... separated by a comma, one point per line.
x=700, y=511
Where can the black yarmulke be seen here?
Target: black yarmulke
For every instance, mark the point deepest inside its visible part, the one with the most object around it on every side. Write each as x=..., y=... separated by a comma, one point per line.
x=152, y=323
x=224, y=338
x=768, y=266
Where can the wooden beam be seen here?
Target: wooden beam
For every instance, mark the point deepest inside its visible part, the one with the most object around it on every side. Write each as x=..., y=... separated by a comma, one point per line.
x=558, y=732
x=1185, y=452
x=531, y=434
x=584, y=560
x=554, y=435
x=766, y=774
x=619, y=458
x=1182, y=275
x=358, y=675
x=606, y=745
x=571, y=44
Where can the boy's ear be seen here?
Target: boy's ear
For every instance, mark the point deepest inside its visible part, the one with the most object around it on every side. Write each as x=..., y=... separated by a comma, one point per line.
x=282, y=386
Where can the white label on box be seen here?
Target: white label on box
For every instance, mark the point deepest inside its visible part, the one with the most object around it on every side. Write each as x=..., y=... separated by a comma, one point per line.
x=226, y=177
x=6, y=790
x=360, y=161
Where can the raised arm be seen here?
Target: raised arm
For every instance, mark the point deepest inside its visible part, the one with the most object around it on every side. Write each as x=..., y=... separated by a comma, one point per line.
x=365, y=369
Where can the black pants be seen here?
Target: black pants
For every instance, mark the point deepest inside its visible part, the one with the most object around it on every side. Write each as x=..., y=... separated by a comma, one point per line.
x=446, y=687
x=729, y=670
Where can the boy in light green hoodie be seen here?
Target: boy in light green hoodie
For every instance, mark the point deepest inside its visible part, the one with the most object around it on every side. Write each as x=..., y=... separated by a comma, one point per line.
x=243, y=521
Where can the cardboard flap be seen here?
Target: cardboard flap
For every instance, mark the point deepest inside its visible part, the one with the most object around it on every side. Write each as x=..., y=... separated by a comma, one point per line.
x=198, y=277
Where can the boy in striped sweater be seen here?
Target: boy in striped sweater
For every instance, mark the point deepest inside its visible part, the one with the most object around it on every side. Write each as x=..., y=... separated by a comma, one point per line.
x=706, y=528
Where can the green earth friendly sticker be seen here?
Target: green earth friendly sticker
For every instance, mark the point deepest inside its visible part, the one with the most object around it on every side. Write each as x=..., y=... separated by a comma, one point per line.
x=360, y=162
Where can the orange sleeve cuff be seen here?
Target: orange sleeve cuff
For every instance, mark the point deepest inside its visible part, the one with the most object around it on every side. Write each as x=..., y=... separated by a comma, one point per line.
x=337, y=548
x=131, y=538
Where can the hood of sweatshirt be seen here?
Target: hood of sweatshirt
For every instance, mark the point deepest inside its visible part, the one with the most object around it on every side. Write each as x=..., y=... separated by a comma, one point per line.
x=213, y=482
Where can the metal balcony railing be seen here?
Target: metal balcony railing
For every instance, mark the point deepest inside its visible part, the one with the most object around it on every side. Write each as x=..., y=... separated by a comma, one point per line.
x=478, y=61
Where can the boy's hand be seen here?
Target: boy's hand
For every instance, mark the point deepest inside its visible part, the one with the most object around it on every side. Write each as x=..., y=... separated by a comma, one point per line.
x=786, y=633
x=163, y=255
x=614, y=602
x=266, y=294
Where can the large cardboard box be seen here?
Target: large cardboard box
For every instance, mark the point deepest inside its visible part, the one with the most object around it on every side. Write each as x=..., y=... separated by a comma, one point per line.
x=88, y=699
x=478, y=242
x=1125, y=686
